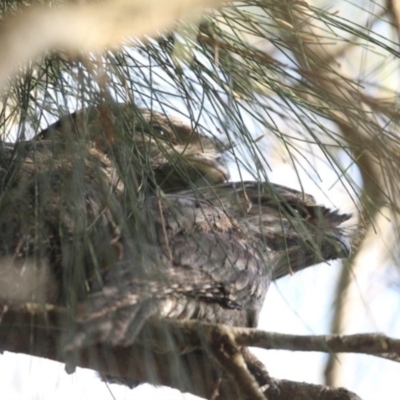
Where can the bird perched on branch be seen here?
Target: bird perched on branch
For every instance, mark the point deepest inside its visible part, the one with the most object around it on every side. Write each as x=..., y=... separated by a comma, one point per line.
x=209, y=255
x=71, y=216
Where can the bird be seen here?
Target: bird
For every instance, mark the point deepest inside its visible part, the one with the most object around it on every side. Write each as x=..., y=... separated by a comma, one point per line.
x=209, y=255
x=77, y=233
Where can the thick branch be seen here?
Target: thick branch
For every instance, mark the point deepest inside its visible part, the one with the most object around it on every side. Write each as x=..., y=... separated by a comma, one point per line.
x=38, y=331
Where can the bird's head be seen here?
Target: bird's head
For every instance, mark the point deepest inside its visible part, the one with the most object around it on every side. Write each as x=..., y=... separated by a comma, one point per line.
x=293, y=231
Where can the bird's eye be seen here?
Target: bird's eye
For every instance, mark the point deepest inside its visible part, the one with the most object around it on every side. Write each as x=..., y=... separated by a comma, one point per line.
x=160, y=132
x=297, y=210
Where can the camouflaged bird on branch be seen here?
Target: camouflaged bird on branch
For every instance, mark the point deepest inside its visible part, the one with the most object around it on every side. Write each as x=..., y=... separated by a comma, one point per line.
x=83, y=213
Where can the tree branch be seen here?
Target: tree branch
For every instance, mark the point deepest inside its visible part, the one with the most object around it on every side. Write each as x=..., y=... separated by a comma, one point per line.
x=40, y=330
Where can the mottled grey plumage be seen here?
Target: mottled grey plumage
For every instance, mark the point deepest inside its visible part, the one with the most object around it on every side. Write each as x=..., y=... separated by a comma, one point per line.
x=66, y=196
x=292, y=229
x=211, y=255
x=75, y=211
